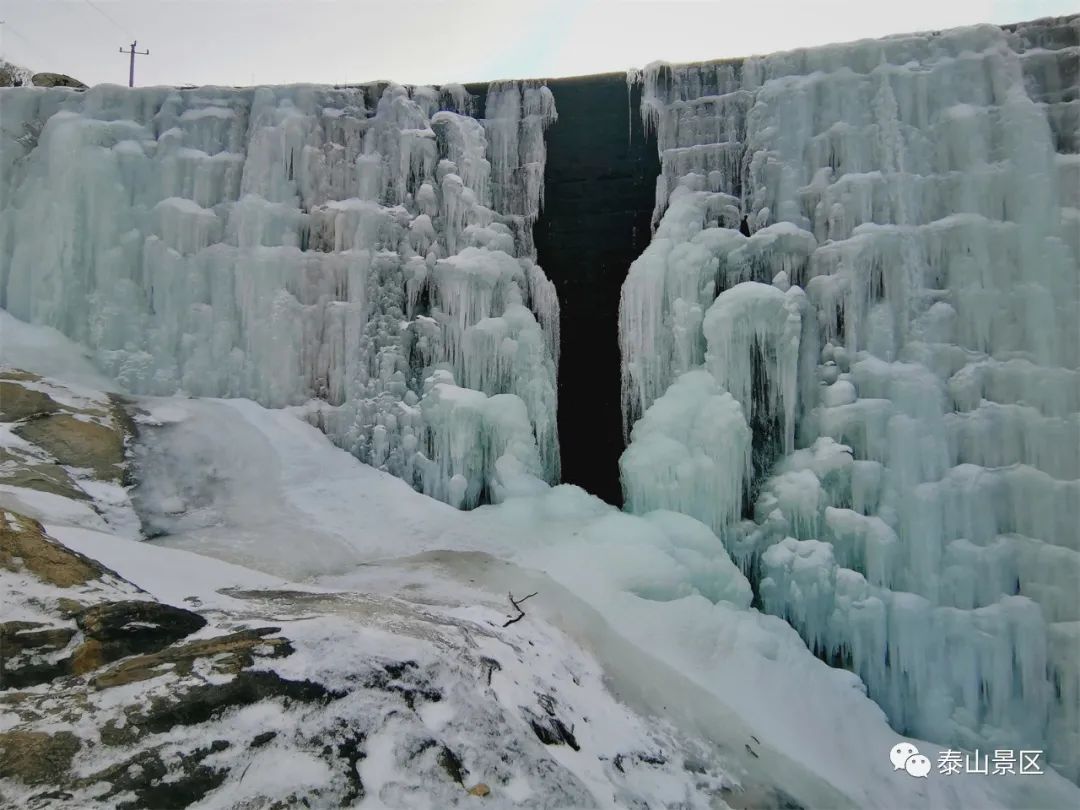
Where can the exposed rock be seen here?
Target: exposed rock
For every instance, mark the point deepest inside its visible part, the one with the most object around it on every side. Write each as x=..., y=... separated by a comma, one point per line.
x=403, y=678
x=23, y=647
x=18, y=374
x=18, y=402
x=56, y=80
x=230, y=654
x=13, y=75
x=205, y=702
x=78, y=443
x=480, y=789
x=20, y=637
x=87, y=657
x=132, y=627
x=69, y=608
x=119, y=412
x=451, y=763
x=350, y=752
x=156, y=784
x=25, y=546
x=259, y=740
x=31, y=673
x=551, y=730
x=118, y=732
x=35, y=757
x=21, y=471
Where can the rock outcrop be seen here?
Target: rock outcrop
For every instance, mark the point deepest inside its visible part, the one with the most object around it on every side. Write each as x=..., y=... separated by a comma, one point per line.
x=24, y=546
x=56, y=80
x=77, y=442
x=74, y=437
x=14, y=75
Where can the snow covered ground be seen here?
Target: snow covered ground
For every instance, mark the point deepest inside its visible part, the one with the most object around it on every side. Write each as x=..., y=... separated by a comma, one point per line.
x=410, y=671
x=640, y=624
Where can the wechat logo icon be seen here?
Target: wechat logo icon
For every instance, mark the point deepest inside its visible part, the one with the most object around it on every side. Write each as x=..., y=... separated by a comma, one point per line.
x=906, y=757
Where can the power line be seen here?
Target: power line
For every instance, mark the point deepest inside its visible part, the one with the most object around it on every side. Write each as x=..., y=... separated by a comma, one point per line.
x=101, y=11
x=32, y=44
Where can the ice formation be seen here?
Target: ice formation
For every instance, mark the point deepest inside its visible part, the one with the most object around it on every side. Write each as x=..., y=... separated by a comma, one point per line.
x=873, y=250
x=690, y=453
x=367, y=247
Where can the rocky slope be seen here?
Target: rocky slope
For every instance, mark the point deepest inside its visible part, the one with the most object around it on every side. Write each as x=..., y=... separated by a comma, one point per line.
x=136, y=676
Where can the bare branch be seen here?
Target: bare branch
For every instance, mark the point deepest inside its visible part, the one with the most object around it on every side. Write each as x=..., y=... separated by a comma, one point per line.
x=517, y=606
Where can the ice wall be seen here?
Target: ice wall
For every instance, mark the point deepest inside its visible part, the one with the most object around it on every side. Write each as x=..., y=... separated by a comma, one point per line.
x=369, y=248
x=873, y=248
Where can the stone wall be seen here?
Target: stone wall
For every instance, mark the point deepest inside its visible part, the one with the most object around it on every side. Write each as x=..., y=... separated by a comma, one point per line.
x=599, y=190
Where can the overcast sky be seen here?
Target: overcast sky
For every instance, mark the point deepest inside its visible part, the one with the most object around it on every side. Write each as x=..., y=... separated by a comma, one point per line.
x=241, y=42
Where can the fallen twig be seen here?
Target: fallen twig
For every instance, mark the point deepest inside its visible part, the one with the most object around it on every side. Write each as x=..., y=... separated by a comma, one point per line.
x=517, y=606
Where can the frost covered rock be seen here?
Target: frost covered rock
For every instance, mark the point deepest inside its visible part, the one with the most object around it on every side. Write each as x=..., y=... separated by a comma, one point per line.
x=12, y=75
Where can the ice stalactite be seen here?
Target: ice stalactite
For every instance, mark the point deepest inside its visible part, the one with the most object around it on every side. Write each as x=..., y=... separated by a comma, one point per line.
x=754, y=333
x=873, y=248
x=340, y=247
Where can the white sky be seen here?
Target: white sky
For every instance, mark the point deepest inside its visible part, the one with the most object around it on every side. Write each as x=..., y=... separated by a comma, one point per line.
x=242, y=42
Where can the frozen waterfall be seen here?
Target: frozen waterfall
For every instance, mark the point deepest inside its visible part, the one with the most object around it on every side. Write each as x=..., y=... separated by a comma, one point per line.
x=866, y=258
x=368, y=248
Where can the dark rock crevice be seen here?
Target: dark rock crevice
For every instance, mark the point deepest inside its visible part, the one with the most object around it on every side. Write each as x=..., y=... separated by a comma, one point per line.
x=599, y=192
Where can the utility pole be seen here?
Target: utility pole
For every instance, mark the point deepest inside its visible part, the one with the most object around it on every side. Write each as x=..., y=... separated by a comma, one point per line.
x=133, y=53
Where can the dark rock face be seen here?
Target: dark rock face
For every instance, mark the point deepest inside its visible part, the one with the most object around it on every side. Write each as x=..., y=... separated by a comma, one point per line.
x=145, y=775
x=599, y=191
x=25, y=648
x=203, y=703
x=127, y=628
x=12, y=75
x=548, y=726
x=552, y=731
